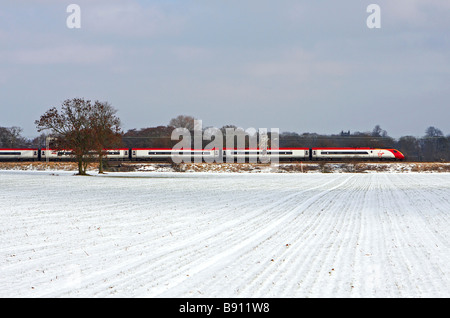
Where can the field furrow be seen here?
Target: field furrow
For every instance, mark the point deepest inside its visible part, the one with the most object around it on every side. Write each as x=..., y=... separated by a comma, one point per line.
x=224, y=235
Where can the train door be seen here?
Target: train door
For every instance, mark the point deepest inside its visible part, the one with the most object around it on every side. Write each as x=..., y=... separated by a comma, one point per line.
x=218, y=155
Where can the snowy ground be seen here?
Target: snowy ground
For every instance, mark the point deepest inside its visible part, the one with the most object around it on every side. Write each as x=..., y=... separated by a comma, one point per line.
x=153, y=234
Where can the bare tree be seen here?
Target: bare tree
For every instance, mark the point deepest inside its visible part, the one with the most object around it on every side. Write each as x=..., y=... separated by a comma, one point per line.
x=433, y=132
x=105, y=129
x=410, y=146
x=378, y=132
x=12, y=137
x=84, y=128
x=72, y=129
x=434, y=145
x=183, y=121
x=152, y=137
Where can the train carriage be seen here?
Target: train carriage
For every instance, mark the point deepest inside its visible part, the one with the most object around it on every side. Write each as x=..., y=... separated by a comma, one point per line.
x=53, y=154
x=163, y=154
x=117, y=154
x=290, y=153
x=355, y=153
x=241, y=155
x=19, y=154
x=111, y=154
x=253, y=155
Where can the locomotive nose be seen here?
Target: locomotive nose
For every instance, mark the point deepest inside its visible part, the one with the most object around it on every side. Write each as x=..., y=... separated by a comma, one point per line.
x=398, y=154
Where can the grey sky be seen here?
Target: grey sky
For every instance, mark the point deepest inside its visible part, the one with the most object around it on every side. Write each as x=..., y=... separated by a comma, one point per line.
x=303, y=66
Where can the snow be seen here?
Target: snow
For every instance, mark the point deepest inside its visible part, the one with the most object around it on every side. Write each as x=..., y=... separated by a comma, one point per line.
x=165, y=234
x=282, y=167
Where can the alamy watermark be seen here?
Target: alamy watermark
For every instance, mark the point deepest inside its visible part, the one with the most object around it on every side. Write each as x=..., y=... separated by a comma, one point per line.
x=229, y=145
x=73, y=21
x=374, y=19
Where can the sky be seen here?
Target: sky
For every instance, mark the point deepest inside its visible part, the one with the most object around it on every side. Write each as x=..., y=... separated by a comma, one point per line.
x=296, y=65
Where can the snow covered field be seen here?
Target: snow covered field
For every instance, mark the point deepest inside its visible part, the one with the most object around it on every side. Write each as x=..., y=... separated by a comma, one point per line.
x=168, y=234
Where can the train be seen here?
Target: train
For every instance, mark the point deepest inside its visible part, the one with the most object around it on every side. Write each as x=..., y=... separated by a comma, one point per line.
x=210, y=155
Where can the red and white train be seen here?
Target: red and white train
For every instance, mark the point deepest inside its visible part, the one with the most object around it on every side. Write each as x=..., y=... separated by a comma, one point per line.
x=163, y=154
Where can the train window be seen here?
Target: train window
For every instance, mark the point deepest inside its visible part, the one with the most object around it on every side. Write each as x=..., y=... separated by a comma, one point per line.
x=64, y=153
x=10, y=153
x=159, y=153
x=344, y=153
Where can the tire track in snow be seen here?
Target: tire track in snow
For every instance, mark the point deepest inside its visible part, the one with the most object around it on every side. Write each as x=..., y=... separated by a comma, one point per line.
x=294, y=263
x=413, y=237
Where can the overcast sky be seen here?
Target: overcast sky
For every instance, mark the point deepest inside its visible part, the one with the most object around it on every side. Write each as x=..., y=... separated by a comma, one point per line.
x=302, y=66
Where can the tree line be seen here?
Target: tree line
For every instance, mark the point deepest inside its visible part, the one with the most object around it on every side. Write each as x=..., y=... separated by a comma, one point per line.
x=432, y=146
x=89, y=127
